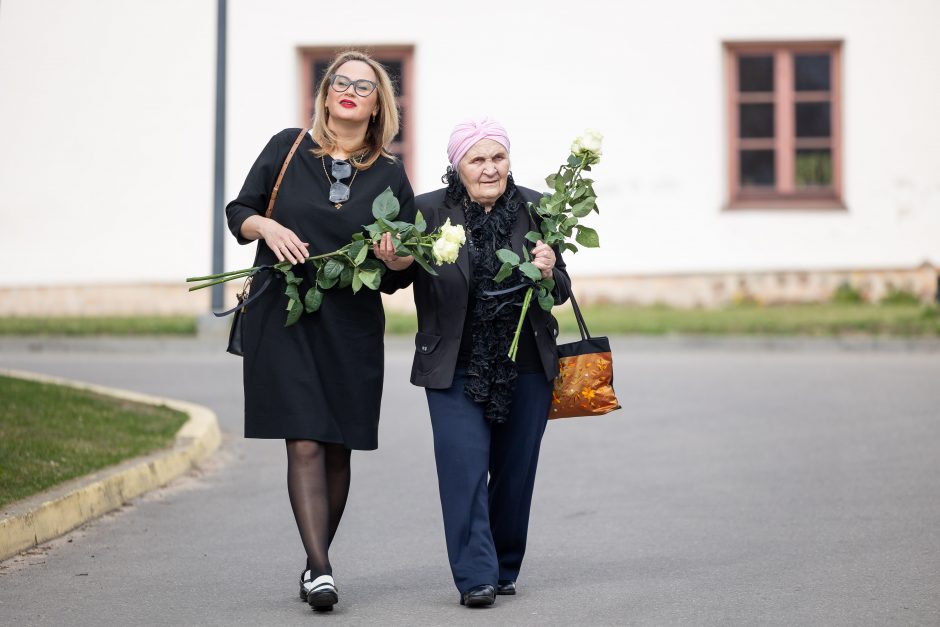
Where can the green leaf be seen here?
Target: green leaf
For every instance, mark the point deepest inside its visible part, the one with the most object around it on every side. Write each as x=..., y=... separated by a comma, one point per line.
x=583, y=207
x=345, y=279
x=587, y=237
x=507, y=256
x=421, y=261
x=360, y=254
x=358, y=237
x=533, y=236
x=374, y=230
x=560, y=184
x=312, y=300
x=294, y=309
x=356, y=280
x=504, y=271
x=547, y=284
x=546, y=302
x=325, y=283
x=568, y=175
x=370, y=278
x=420, y=225
x=291, y=279
x=372, y=264
x=530, y=271
x=573, y=161
x=333, y=268
x=291, y=292
x=571, y=247
x=385, y=206
x=569, y=222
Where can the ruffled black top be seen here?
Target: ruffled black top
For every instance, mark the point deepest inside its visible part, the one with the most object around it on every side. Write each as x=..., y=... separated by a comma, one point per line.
x=491, y=320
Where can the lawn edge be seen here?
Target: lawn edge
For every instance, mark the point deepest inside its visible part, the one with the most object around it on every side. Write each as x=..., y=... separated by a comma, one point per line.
x=57, y=511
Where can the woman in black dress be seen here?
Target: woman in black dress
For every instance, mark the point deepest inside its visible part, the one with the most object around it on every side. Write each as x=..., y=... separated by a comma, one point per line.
x=318, y=383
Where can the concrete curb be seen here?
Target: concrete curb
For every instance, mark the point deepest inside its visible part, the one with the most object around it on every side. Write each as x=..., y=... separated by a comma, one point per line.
x=48, y=515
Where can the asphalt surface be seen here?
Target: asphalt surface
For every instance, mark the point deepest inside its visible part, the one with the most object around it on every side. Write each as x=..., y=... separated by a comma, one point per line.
x=739, y=485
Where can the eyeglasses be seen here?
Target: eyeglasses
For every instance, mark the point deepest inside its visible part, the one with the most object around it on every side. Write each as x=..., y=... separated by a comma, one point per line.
x=362, y=87
x=339, y=191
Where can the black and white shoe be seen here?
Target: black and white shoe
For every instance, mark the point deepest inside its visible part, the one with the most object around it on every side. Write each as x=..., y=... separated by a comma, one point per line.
x=306, y=578
x=320, y=593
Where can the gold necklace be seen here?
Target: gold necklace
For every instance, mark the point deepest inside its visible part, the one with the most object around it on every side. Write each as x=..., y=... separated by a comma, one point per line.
x=329, y=180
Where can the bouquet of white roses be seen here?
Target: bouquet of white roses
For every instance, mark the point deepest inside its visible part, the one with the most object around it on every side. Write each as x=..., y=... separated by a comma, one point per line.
x=572, y=198
x=350, y=265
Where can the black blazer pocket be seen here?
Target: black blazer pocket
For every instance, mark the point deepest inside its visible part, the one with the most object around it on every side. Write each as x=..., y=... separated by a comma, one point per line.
x=425, y=343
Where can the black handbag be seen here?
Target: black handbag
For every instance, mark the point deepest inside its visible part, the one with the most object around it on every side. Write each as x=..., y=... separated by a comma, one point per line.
x=585, y=382
x=235, y=340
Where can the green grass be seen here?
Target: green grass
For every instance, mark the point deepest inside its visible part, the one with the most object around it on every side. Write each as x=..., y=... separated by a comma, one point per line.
x=897, y=316
x=50, y=434
x=819, y=320
x=94, y=325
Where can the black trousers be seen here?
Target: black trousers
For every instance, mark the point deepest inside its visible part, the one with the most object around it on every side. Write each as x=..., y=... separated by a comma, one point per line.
x=486, y=475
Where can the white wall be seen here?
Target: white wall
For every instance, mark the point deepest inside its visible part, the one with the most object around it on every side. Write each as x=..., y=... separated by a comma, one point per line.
x=106, y=130
x=648, y=75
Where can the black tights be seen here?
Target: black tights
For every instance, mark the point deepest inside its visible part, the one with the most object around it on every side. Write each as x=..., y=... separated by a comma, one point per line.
x=318, y=484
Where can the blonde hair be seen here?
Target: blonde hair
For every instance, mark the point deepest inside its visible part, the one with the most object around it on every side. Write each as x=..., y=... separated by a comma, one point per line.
x=380, y=131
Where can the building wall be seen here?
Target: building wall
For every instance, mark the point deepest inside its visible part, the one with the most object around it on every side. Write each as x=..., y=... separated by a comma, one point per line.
x=106, y=140
x=110, y=150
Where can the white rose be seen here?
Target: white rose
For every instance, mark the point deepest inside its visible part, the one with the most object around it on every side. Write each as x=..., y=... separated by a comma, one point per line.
x=588, y=143
x=445, y=251
x=453, y=233
x=591, y=140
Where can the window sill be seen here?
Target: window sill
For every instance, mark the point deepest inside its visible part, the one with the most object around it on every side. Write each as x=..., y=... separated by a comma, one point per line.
x=817, y=203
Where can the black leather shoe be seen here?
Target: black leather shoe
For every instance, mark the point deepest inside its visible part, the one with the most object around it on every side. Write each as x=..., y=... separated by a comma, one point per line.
x=505, y=586
x=479, y=596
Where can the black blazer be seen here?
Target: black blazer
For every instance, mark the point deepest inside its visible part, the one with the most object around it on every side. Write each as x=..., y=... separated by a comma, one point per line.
x=441, y=301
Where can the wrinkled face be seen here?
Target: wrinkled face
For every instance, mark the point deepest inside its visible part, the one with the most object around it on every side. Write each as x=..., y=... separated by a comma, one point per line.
x=484, y=171
x=347, y=105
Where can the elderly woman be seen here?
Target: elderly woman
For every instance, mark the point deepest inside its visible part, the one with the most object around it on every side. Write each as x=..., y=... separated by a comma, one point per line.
x=488, y=412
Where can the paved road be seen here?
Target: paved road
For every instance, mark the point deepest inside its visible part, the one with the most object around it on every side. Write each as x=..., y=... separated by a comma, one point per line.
x=736, y=486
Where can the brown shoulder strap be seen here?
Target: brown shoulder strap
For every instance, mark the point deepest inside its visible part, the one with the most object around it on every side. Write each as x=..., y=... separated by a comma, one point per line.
x=280, y=177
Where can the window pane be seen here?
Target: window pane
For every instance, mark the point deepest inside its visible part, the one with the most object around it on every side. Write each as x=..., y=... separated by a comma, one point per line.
x=812, y=72
x=813, y=168
x=756, y=120
x=319, y=69
x=400, y=136
x=755, y=73
x=812, y=119
x=757, y=168
x=394, y=69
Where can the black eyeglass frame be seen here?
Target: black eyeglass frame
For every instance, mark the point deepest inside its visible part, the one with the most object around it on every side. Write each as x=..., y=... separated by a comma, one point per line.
x=355, y=84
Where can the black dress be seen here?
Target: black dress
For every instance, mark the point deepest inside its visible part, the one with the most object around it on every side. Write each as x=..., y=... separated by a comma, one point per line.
x=320, y=379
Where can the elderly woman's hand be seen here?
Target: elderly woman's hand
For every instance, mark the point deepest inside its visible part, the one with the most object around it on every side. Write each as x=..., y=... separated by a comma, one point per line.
x=385, y=252
x=543, y=258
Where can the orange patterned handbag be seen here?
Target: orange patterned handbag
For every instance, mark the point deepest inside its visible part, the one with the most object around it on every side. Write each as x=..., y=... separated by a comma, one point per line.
x=585, y=382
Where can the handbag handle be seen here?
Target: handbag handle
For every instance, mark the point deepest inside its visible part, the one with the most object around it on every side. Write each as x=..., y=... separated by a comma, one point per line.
x=582, y=325
x=280, y=176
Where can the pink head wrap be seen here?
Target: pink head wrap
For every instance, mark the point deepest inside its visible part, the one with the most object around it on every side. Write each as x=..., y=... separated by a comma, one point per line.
x=466, y=134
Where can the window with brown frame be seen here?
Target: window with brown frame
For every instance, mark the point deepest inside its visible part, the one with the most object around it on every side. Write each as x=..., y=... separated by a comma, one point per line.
x=398, y=61
x=784, y=130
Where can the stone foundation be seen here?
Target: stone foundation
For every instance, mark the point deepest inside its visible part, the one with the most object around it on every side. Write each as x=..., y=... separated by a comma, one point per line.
x=676, y=290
